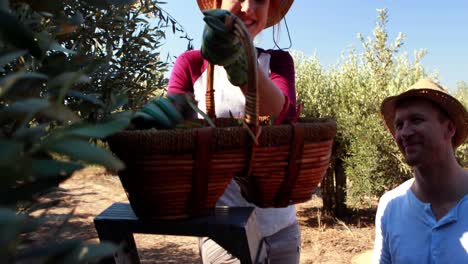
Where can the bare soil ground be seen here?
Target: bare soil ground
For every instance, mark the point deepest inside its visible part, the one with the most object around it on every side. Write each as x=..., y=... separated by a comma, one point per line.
x=90, y=191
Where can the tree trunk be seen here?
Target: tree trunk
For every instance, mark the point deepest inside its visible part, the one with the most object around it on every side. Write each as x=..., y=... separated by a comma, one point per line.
x=327, y=188
x=340, y=189
x=333, y=189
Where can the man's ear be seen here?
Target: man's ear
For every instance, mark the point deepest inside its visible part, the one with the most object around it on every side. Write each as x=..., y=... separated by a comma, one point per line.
x=451, y=129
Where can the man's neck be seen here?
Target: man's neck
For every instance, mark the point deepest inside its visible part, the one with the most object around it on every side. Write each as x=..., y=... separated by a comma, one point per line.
x=441, y=182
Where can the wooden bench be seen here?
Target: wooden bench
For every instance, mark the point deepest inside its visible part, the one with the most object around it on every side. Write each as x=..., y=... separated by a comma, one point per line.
x=234, y=228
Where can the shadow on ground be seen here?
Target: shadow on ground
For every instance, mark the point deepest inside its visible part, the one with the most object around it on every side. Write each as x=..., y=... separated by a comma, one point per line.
x=169, y=253
x=324, y=239
x=68, y=214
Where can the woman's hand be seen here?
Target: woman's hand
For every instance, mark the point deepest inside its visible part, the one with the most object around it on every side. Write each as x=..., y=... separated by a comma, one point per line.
x=220, y=45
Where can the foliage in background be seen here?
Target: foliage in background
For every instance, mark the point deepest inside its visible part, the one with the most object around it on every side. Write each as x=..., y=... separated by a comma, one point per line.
x=123, y=41
x=462, y=95
x=351, y=92
x=68, y=71
x=128, y=39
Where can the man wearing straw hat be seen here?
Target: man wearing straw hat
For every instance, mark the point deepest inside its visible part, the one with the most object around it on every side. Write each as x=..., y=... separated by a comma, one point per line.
x=425, y=220
x=277, y=97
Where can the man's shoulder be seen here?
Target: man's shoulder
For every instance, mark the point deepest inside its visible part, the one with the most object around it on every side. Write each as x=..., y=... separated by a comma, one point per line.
x=401, y=190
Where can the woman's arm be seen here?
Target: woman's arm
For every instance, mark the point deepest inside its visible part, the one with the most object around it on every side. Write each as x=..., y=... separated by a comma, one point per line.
x=271, y=97
x=277, y=90
x=187, y=68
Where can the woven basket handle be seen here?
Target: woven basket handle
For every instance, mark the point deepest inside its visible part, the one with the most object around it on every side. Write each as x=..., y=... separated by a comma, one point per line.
x=251, y=93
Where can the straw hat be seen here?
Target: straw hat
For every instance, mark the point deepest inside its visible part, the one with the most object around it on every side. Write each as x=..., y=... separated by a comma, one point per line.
x=429, y=90
x=278, y=8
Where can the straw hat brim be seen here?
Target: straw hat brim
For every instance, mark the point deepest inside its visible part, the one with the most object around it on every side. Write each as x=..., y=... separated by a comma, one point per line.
x=452, y=106
x=274, y=17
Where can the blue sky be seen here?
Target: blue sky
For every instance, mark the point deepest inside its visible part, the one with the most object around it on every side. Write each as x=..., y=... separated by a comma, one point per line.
x=329, y=27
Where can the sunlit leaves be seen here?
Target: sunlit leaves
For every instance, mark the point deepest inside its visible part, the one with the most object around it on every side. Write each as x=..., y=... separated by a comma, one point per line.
x=351, y=92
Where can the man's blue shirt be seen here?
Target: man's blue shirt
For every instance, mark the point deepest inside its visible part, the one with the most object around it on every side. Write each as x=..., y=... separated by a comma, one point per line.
x=408, y=232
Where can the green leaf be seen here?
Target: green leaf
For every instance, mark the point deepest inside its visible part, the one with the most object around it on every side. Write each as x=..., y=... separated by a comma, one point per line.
x=30, y=134
x=98, y=3
x=53, y=168
x=14, y=169
x=11, y=225
x=118, y=101
x=28, y=189
x=78, y=149
x=27, y=106
x=53, y=45
x=24, y=110
x=91, y=253
x=77, y=18
x=86, y=97
x=121, y=2
x=64, y=78
x=5, y=5
x=61, y=113
x=11, y=56
x=52, y=250
x=72, y=79
x=17, y=34
x=7, y=82
x=196, y=109
x=10, y=151
x=100, y=130
x=51, y=6
x=120, y=19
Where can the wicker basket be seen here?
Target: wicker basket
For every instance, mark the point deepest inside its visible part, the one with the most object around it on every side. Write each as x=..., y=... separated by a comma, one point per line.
x=183, y=172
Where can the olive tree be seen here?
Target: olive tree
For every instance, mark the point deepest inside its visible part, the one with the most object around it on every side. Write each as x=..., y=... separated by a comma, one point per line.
x=69, y=71
x=366, y=161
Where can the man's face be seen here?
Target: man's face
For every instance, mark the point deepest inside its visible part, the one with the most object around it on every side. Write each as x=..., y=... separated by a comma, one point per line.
x=422, y=135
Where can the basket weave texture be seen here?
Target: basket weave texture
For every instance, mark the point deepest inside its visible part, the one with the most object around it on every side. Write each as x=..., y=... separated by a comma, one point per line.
x=167, y=177
x=182, y=172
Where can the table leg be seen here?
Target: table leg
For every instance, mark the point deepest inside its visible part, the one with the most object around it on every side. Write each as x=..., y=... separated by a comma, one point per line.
x=127, y=252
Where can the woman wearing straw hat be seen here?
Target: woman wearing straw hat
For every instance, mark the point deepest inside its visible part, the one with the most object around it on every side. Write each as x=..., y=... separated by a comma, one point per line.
x=425, y=220
x=276, y=84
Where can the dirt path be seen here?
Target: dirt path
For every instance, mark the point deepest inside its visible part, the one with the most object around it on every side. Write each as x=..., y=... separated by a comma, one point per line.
x=90, y=191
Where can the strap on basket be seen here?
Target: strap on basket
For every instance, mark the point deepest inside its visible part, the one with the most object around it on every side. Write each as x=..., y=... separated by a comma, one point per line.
x=251, y=92
x=293, y=169
x=201, y=170
x=209, y=95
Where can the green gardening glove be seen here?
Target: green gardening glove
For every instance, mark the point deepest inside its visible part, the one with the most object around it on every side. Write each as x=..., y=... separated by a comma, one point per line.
x=222, y=47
